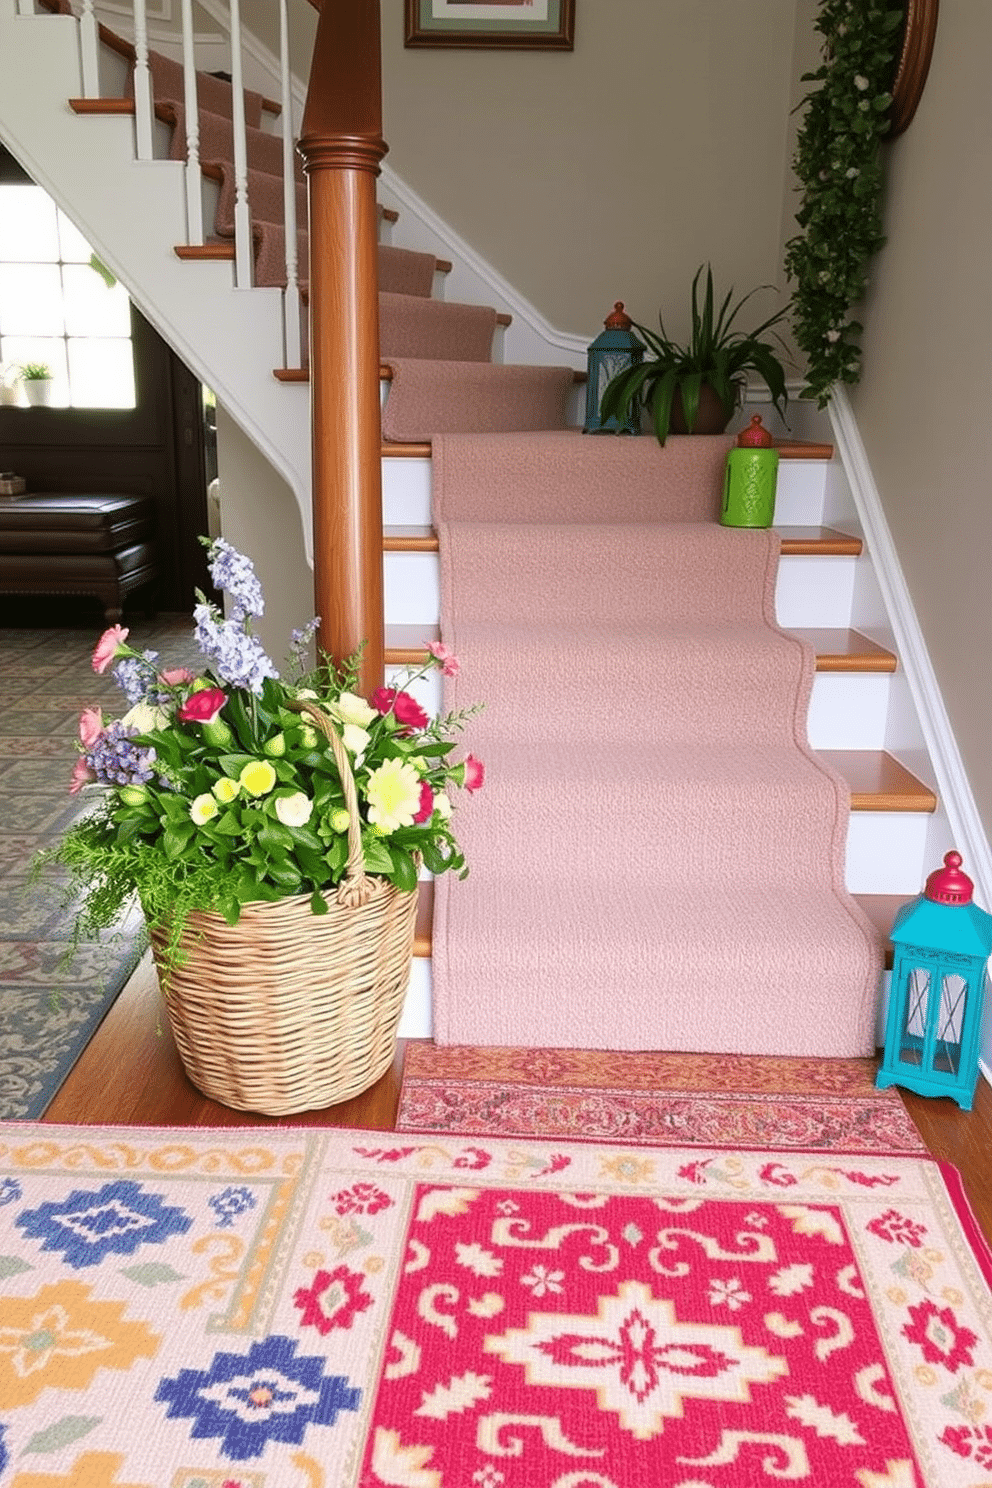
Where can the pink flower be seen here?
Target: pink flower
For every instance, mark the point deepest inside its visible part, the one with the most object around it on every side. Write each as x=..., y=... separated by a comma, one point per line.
x=360, y=1198
x=176, y=676
x=90, y=726
x=426, y=810
x=450, y=664
x=107, y=647
x=202, y=707
x=404, y=708
x=81, y=775
x=475, y=773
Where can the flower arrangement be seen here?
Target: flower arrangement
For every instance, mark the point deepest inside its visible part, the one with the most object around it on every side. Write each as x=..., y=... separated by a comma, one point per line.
x=218, y=790
x=838, y=162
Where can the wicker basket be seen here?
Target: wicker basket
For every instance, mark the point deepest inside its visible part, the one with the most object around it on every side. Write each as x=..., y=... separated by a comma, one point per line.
x=290, y=1011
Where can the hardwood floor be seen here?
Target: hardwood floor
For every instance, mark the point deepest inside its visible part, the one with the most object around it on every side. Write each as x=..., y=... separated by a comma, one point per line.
x=131, y=1075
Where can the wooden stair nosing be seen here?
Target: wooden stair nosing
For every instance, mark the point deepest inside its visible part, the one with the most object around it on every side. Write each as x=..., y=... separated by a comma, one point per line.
x=836, y=650
x=880, y=909
x=421, y=450
x=799, y=541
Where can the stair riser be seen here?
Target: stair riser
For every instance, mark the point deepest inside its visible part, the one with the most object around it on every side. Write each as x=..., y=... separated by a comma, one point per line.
x=799, y=501
x=811, y=591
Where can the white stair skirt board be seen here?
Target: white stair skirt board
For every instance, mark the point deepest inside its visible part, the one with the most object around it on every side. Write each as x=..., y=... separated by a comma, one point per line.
x=416, y=1019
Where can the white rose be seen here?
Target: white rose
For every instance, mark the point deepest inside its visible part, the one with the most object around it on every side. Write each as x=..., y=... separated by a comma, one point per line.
x=350, y=708
x=294, y=811
x=356, y=739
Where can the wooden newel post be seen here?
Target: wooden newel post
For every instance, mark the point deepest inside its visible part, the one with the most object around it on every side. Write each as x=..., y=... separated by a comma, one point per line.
x=342, y=145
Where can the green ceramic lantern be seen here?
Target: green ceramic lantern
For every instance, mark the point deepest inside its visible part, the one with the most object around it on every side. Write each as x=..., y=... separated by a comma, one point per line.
x=942, y=943
x=616, y=349
x=750, y=479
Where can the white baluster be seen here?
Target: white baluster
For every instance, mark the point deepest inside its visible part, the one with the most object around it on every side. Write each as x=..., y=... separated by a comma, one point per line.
x=142, y=83
x=89, y=47
x=242, y=216
x=291, y=299
x=25, y=7
x=194, y=193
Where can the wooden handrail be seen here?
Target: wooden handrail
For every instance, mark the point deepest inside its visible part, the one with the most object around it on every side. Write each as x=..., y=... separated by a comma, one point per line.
x=341, y=144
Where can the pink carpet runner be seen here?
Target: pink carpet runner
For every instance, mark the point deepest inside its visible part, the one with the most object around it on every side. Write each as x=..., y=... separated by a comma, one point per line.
x=657, y=858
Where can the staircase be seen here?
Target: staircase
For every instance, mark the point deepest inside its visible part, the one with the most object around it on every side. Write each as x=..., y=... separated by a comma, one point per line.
x=135, y=213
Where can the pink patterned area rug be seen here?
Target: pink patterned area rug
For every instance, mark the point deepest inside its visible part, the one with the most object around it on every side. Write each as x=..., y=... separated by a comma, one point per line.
x=659, y=1099
x=314, y=1308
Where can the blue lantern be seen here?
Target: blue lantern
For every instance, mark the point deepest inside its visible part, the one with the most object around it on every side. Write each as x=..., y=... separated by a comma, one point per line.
x=942, y=943
x=614, y=350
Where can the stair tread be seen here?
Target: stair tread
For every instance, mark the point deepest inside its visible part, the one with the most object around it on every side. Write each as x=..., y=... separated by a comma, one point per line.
x=880, y=909
x=836, y=650
x=805, y=541
x=845, y=650
x=793, y=449
x=878, y=781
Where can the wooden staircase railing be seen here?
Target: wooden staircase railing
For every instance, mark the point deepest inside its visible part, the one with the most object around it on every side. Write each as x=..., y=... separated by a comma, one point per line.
x=341, y=144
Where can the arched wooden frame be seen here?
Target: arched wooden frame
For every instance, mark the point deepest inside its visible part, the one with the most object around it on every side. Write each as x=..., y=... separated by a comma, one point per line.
x=914, y=63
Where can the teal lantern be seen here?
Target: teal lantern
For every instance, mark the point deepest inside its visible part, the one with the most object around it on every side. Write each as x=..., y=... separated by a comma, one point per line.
x=942, y=943
x=616, y=349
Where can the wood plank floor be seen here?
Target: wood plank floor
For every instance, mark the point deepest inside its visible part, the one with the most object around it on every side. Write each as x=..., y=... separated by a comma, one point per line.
x=130, y=1075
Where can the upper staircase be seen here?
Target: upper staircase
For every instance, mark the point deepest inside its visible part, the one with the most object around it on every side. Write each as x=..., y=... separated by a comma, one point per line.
x=242, y=333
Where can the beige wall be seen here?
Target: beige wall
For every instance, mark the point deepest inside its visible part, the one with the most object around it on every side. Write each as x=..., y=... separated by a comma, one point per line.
x=923, y=403
x=614, y=170
x=260, y=517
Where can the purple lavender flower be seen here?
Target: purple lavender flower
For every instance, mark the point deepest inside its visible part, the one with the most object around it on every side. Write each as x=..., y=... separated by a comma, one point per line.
x=233, y=573
x=135, y=676
x=117, y=760
x=236, y=656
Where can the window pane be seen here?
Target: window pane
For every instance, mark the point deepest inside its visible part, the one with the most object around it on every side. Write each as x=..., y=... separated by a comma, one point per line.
x=31, y=300
x=28, y=227
x=23, y=349
x=101, y=374
x=75, y=248
x=91, y=309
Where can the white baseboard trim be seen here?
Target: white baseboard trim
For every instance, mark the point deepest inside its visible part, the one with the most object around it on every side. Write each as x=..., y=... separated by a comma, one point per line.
x=952, y=782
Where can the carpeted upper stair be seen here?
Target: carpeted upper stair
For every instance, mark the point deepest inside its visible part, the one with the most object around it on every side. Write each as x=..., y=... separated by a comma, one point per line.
x=440, y=353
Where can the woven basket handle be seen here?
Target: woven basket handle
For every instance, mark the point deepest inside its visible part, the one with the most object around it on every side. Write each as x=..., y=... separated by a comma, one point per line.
x=355, y=888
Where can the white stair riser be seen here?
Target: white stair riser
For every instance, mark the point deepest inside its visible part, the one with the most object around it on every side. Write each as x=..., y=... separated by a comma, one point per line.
x=886, y=852
x=799, y=499
x=811, y=591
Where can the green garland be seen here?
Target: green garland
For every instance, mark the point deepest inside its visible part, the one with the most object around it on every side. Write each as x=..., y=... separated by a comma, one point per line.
x=838, y=161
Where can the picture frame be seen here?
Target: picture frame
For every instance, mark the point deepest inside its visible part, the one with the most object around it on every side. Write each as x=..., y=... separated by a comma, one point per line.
x=547, y=25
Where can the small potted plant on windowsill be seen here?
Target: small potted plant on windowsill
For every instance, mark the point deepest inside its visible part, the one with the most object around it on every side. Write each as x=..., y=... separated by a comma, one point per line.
x=37, y=381
x=694, y=388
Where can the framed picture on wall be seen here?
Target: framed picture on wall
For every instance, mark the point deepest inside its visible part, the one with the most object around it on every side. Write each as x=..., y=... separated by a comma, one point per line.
x=547, y=24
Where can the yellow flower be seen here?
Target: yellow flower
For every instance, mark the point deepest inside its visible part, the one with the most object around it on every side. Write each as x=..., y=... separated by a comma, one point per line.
x=393, y=794
x=258, y=778
x=350, y=708
x=203, y=808
x=339, y=820
x=225, y=789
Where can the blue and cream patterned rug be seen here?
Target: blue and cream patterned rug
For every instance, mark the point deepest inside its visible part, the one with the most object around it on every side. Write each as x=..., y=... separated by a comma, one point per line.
x=50, y=1010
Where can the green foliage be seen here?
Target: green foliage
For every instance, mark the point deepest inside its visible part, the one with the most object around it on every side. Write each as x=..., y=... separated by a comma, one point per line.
x=838, y=160
x=715, y=354
x=35, y=371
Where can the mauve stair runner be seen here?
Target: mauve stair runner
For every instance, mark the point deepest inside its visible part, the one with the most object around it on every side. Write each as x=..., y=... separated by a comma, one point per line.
x=657, y=857
x=415, y=330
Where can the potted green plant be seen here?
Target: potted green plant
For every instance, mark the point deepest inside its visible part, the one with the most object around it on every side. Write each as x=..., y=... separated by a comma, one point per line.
x=694, y=388
x=36, y=378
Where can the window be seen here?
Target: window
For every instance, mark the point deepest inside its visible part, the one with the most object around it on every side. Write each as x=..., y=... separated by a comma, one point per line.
x=60, y=306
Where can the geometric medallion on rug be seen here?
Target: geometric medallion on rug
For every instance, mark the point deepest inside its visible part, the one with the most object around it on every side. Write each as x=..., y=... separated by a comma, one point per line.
x=266, y=1308
x=716, y=1100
